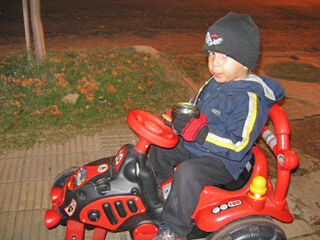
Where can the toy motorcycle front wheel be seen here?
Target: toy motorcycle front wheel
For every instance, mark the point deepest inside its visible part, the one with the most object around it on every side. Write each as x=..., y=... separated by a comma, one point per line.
x=250, y=228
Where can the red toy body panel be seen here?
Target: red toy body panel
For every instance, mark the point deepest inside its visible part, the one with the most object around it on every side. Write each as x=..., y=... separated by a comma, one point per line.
x=75, y=230
x=145, y=232
x=108, y=206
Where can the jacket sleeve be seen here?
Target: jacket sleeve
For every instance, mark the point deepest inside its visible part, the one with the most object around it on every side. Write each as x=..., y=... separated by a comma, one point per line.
x=234, y=135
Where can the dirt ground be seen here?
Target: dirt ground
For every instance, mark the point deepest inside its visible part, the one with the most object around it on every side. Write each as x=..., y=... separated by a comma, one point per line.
x=177, y=27
x=305, y=137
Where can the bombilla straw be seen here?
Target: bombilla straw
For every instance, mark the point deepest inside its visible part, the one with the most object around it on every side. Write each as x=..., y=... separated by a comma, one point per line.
x=203, y=86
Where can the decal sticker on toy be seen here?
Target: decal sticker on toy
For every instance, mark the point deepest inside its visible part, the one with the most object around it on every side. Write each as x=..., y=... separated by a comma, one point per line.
x=80, y=177
x=119, y=158
x=216, y=210
x=102, y=168
x=166, y=190
x=71, y=208
x=226, y=206
x=234, y=203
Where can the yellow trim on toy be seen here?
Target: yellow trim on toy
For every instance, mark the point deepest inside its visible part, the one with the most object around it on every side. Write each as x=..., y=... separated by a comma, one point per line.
x=258, y=188
x=167, y=118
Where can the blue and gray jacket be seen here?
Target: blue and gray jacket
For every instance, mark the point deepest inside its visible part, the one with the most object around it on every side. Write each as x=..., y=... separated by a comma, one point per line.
x=236, y=113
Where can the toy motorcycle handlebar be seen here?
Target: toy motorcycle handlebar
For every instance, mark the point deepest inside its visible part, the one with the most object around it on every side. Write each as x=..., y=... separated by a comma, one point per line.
x=151, y=130
x=279, y=144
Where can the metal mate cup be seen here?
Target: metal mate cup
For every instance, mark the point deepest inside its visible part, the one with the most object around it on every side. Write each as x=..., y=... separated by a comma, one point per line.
x=185, y=108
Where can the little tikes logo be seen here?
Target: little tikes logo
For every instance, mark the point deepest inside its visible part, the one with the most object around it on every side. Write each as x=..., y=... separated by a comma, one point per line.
x=213, y=39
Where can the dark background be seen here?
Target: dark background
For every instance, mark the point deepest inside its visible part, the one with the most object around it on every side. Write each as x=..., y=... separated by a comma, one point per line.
x=285, y=25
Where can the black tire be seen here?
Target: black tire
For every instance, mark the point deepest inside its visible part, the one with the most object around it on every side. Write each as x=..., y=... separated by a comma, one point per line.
x=250, y=228
x=63, y=177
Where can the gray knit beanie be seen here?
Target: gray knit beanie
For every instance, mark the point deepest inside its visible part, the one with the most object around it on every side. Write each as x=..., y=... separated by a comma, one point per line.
x=237, y=36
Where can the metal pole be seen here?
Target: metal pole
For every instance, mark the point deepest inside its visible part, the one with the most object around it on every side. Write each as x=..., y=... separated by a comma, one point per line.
x=26, y=26
x=37, y=30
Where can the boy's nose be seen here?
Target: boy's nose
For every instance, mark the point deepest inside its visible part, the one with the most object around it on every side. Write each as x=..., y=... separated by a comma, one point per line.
x=216, y=63
x=218, y=59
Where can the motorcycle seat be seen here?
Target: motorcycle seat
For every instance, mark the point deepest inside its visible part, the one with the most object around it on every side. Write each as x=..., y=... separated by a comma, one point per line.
x=243, y=179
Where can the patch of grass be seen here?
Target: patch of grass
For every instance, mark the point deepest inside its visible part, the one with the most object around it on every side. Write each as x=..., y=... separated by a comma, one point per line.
x=107, y=84
x=295, y=71
x=193, y=66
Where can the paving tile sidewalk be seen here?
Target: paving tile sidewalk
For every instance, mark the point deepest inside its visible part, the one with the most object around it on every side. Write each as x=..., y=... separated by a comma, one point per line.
x=26, y=178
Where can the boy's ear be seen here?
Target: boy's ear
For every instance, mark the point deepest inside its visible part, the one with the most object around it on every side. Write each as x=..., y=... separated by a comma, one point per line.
x=246, y=69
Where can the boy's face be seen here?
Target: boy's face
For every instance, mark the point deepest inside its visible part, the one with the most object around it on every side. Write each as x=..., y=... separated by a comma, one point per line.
x=225, y=68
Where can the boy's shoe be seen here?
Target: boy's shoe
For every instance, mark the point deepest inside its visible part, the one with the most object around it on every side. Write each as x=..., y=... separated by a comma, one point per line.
x=166, y=233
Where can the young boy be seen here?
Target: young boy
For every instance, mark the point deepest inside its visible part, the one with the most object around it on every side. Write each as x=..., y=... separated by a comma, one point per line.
x=215, y=148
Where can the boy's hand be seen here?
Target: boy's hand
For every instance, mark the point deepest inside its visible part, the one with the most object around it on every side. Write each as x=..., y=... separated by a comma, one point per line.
x=192, y=129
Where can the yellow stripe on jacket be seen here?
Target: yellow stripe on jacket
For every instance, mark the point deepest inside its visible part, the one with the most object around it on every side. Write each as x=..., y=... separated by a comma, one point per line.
x=247, y=129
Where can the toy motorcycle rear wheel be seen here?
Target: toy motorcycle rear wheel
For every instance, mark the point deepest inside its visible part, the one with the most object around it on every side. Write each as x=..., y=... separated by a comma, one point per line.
x=63, y=177
x=250, y=228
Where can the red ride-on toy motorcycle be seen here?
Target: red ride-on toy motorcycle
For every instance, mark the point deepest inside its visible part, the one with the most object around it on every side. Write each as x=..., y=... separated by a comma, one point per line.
x=119, y=193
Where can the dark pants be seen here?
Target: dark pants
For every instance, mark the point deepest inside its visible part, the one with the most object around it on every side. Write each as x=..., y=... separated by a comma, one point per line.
x=192, y=175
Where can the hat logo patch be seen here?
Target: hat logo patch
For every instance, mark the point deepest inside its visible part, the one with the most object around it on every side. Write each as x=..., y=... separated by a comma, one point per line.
x=213, y=39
